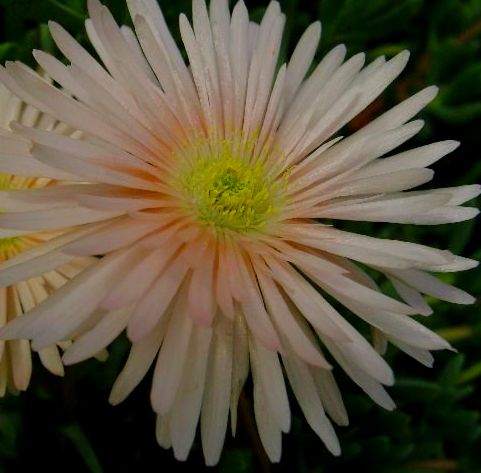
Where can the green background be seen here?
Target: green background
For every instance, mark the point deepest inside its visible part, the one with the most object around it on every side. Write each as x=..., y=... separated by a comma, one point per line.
x=67, y=425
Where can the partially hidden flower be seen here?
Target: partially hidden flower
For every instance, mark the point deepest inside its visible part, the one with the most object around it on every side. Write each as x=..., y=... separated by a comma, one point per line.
x=213, y=193
x=27, y=292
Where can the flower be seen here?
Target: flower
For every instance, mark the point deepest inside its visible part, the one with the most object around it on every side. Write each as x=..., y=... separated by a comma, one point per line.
x=23, y=295
x=212, y=191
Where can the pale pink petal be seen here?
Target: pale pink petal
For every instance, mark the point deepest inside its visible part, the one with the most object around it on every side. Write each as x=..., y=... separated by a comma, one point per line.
x=428, y=284
x=152, y=307
x=257, y=318
x=223, y=293
x=239, y=32
x=96, y=339
x=119, y=234
x=269, y=431
x=371, y=387
x=301, y=59
x=68, y=307
x=42, y=258
x=40, y=220
x=285, y=321
x=215, y=405
x=186, y=409
x=172, y=357
x=141, y=356
x=305, y=391
x=267, y=373
x=139, y=279
x=240, y=365
x=200, y=299
x=309, y=302
x=330, y=395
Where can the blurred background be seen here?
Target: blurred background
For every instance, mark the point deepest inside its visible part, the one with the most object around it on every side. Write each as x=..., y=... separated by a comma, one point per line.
x=67, y=424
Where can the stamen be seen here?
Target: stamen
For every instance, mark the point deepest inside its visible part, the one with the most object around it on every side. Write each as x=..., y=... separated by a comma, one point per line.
x=224, y=189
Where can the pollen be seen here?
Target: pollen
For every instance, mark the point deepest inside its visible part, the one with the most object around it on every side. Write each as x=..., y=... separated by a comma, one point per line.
x=224, y=189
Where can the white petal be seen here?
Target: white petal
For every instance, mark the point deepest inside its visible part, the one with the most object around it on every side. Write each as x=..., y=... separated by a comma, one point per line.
x=402, y=327
x=268, y=374
x=239, y=32
x=68, y=307
x=305, y=391
x=41, y=258
x=215, y=406
x=403, y=208
x=156, y=301
x=310, y=89
x=330, y=395
x=40, y=220
x=423, y=356
x=309, y=302
x=372, y=251
x=401, y=113
x=285, y=321
x=138, y=279
x=269, y=431
x=371, y=387
x=432, y=286
x=301, y=59
x=186, y=409
x=96, y=339
x=240, y=365
x=257, y=318
x=413, y=159
x=172, y=357
x=141, y=357
x=411, y=296
x=201, y=303
x=112, y=237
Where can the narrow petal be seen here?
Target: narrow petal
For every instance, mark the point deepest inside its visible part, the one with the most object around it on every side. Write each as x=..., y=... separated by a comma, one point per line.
x=186, y=409
x=141, y=357
x=215, y=405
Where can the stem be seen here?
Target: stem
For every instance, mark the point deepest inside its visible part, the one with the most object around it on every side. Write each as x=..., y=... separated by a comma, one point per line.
x=436, y=465
x=470, y=33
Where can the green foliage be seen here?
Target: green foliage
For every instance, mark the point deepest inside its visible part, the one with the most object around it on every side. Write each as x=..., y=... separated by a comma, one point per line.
x=67, y=425
x=81, y=443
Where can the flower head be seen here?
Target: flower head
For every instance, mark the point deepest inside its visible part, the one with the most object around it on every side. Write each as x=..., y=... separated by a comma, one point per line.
x=21, y=296
x=220, y=188
x=211, y=193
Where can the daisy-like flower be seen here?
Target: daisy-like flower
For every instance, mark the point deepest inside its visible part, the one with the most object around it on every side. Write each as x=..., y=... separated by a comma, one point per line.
x=212, y=191
x=23, y=295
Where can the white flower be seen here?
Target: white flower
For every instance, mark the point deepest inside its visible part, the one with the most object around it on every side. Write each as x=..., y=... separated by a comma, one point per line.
x=21, y=296
x=212, y=190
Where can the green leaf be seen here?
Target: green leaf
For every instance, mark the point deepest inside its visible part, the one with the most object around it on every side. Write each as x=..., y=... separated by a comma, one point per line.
x=236, y=460
x=452, y=371
x=414, y=389
x=83, y=446
x=7, y=51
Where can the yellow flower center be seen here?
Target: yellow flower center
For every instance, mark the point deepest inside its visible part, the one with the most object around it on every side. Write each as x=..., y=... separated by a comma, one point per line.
x=10, y=247
x=222, y=188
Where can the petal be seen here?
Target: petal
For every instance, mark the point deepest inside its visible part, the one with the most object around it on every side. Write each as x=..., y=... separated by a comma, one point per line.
x=215, y=405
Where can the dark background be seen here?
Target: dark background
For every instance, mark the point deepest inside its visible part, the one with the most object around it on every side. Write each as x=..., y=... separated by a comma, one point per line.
x=67, y=424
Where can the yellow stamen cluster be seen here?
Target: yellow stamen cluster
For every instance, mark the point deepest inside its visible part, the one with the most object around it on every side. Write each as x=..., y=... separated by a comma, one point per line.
x=11, y=246
x=224, y=189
